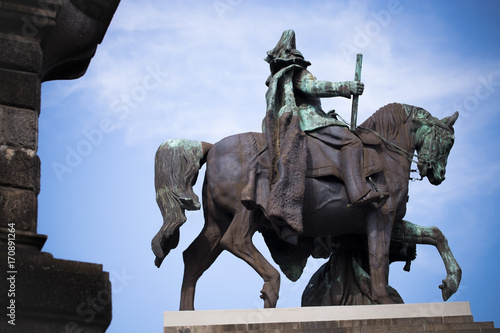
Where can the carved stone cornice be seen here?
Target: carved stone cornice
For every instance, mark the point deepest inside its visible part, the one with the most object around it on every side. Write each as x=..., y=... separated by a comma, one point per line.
x=67, y=32
x=28, y=20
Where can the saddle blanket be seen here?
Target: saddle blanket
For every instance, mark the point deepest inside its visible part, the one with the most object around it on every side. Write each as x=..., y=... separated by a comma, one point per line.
x=324, y=160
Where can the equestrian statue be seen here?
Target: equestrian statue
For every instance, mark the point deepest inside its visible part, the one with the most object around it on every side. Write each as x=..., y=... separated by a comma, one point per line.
x=312, y=186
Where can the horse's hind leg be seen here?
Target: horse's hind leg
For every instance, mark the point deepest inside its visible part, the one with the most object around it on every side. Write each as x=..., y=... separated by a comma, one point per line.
x=198, y=257
x=238, y=241
x=408, y=232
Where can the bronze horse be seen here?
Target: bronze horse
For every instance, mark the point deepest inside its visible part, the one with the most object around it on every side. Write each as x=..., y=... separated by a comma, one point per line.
x=398, y=131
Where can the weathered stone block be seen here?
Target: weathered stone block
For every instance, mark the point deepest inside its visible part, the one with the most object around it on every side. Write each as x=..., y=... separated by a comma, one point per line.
x=20, y=55
x=18, y=206
x=410, y=321
x=19, y=168
x=458, y=319
x=453, y=327
x=20, y=89
x=18, y=127
x=54, y=295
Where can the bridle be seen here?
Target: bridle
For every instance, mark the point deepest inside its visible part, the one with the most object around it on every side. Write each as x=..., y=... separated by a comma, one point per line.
x=421, y=158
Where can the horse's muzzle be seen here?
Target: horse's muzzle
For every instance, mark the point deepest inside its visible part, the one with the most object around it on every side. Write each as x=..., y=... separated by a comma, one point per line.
x=435, y=177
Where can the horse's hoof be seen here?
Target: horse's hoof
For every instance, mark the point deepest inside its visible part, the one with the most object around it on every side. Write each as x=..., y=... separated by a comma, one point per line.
x=268, y=303
x=448, y=288
x=269, y=295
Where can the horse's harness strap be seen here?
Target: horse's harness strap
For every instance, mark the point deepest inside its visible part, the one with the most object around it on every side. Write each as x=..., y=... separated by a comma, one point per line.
x=409, y=156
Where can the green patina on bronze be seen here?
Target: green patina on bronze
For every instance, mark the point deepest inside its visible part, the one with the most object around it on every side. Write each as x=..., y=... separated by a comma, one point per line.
x=177, y=162
x=434, y=139
x=260, y=182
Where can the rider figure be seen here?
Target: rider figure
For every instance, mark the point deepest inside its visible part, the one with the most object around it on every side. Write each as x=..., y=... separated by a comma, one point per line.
x=293, y=110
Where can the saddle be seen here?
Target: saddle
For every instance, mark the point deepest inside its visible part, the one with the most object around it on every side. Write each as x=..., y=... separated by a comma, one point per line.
x=323, y=159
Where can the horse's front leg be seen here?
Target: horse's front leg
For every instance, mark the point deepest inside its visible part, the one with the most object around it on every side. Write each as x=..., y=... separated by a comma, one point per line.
x=379, y=228
x=408, y=232
x=238, y=241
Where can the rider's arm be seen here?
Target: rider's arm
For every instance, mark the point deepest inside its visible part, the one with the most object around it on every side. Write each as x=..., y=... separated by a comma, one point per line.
x=308, y=84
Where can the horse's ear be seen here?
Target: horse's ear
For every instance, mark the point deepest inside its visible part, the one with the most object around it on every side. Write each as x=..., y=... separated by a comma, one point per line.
x=449, y=121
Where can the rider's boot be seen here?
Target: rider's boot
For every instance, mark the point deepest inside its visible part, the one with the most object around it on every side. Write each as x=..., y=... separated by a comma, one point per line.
x=357, y=190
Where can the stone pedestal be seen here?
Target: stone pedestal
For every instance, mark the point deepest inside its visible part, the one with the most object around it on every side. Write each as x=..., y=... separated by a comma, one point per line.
x=428, y=317
x=42, y=40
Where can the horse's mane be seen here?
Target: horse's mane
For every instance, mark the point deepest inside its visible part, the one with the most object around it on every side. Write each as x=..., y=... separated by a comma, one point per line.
x=390, y=121
x=387, y=120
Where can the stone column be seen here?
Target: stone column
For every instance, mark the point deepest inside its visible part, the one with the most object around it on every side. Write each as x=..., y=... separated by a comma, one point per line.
x=20, y=82
x=42, y=40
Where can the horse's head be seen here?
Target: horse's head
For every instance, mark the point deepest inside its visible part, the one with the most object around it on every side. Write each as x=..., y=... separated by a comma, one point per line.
x=434, y=139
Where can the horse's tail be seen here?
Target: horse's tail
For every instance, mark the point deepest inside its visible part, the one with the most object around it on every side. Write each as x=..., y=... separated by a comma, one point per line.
x=177, y=163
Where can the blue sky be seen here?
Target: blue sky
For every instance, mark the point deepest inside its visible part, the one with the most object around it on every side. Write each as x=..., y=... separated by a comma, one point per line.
x=194, y=69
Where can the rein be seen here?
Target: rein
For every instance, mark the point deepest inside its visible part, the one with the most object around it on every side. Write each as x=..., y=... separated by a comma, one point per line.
x=408, y=155
x=398, y=149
